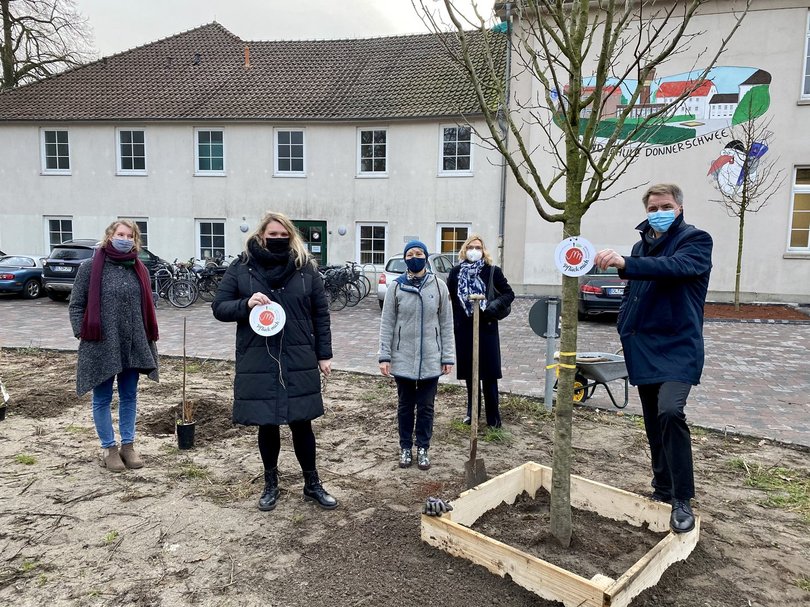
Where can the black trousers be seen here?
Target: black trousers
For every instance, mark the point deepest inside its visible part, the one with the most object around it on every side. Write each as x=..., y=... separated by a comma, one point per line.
x=490, y=398
x=303, y=443
x=418, y=395
x=669, y=438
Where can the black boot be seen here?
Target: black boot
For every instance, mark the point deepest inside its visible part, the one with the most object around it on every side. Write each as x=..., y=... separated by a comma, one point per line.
x=270, y=494
x=682, y=519
x=314, y=491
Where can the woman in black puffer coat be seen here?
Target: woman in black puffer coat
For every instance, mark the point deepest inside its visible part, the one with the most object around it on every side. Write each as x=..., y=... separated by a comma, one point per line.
x=277, y=377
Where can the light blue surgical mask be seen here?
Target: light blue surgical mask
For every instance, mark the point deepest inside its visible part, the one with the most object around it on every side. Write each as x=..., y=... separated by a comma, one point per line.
x=122, y=245
x=661, y=220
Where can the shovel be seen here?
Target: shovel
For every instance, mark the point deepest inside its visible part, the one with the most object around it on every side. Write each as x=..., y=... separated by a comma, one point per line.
x=475, y=472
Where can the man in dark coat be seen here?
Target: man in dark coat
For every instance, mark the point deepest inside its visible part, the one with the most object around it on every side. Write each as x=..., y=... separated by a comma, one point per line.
x=661, y=328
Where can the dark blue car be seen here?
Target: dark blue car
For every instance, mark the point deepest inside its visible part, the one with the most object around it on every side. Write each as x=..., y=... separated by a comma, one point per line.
x=21, y=274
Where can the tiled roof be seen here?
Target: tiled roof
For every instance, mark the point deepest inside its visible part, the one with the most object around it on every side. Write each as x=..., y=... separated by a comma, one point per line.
x=201, y=75
x=676, y=88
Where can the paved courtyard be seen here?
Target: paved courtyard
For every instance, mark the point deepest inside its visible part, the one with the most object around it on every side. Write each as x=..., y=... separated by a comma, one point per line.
x=756, y=380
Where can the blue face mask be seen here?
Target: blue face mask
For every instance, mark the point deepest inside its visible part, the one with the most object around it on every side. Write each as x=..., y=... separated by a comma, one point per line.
x=416, y=264
x=122, y=245
x=661, y=220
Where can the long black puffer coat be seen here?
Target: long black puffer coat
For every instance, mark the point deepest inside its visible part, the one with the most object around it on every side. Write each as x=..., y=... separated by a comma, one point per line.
x=489, y=345
x=277, y=378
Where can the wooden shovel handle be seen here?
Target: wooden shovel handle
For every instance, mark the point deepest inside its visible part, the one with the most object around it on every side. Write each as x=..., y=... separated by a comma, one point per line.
x=475, y=391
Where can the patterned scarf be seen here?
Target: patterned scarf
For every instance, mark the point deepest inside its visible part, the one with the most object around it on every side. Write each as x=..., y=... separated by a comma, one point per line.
x=91, y=323
x=470, y=283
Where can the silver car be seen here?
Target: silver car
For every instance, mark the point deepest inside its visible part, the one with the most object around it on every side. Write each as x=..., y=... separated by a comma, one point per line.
x=438, y=263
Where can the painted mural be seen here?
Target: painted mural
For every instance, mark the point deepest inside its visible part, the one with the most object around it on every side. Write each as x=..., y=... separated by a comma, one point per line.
x=727, y=96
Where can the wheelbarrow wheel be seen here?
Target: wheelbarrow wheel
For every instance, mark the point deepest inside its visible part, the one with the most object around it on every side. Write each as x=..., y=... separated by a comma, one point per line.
x=580, y=388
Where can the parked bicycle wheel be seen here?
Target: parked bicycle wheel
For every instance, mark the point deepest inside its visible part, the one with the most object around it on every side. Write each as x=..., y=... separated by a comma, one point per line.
x=183, y=293
x=207, y=288
x=161, y=281
x=365, y=284
x=353, y=295
x=337, y=298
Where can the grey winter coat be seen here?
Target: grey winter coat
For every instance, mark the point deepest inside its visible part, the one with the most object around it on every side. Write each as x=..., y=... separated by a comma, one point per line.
x=123, y=342
x=416, y=329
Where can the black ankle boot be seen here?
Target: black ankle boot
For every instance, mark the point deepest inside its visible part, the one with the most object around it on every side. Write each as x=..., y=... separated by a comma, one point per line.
x=314, y=491
x=270, y=494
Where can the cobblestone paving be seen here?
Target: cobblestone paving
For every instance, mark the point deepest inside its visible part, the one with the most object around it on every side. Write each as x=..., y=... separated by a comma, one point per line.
x=756, y=380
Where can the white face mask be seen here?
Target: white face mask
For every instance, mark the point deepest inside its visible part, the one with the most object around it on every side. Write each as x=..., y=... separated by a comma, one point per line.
x=474, y=254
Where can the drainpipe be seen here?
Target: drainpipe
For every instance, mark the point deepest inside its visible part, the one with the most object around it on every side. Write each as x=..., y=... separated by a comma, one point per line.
x=503, y=123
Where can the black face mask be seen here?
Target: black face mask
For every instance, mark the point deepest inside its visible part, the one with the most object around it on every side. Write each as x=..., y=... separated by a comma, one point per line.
x=277, y=245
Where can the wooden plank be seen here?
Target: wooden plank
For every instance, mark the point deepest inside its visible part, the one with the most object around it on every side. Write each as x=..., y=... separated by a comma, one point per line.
x=619, y=505
x=540, y=577
x=471, y=504
x=649, y=568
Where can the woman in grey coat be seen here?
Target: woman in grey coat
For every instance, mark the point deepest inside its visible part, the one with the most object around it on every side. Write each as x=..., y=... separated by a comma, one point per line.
x=113, y=314
x=416, y=347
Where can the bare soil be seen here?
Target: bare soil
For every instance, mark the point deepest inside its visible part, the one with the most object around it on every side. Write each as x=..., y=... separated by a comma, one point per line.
x=185, y=530
x=771, y=312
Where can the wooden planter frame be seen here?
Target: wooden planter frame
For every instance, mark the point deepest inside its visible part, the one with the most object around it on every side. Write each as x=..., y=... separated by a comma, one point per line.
x=452, y=534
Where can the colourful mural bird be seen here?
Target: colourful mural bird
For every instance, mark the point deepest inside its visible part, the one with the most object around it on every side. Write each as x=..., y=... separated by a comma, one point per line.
x=729, y=169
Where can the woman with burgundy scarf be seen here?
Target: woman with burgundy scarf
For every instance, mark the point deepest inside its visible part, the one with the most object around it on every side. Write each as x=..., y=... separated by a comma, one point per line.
x=113, y=314
x=277, y=373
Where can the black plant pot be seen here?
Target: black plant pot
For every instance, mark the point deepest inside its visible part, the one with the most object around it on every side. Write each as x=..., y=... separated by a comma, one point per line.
x=185, y=435
x=3, y=413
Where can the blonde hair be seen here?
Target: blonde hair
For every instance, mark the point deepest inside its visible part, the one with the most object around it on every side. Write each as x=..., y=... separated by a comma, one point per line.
x=136, y=233
x=297, y=245
x=462, y=253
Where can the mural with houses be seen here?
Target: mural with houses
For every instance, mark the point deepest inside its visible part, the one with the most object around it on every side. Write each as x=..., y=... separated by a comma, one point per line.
x=727, y=96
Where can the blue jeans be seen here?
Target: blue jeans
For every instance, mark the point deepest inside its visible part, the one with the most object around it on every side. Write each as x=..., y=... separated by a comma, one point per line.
x=127, y=407
x=418, y=395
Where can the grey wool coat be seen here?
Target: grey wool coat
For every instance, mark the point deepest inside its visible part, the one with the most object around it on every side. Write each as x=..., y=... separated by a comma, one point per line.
x=123, y=342
x=416, y=329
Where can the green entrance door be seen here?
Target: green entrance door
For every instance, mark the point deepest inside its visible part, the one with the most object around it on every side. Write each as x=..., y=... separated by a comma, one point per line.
x=314, y=234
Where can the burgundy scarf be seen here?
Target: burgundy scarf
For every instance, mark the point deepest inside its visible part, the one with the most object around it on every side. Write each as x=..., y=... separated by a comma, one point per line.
x=91, y=324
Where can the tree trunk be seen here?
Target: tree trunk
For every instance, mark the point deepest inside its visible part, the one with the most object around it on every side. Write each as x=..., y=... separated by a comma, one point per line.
x=7, y=51
x=739, y=260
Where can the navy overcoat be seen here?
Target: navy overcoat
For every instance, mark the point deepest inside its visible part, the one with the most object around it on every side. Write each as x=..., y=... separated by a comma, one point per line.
x=661, y=317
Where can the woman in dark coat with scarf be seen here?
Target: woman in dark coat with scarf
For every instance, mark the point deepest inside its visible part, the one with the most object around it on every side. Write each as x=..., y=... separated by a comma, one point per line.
x=277, y=377
x=473, y=276
x=113, y=314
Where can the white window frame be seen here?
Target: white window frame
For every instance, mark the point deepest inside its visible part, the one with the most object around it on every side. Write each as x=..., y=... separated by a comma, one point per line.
x=804, y=87
x=797, y=189
x=278, y=172
x=358, y=247
x=198, y=236
x=455, y=226
x=210, y=172
x=43, y=157
x=371, y=174
x=119, y=169
x=144, y=230
x=457, y=172
x=48, y=219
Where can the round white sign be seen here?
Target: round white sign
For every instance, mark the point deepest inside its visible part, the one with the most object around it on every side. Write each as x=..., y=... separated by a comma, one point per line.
x=268, y=319
x=574, y=256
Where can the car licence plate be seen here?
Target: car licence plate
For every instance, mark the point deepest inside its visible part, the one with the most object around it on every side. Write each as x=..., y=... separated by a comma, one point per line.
x=615, y=291
x=62, y=269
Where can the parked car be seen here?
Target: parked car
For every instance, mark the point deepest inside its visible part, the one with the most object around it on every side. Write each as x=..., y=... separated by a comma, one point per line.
x=151, y=261
x=21, y=274
x=438, y=263
x=59, y=269
x=600, y=292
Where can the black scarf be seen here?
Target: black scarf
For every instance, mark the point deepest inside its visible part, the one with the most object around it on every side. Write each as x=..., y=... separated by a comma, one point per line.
x=277, y=267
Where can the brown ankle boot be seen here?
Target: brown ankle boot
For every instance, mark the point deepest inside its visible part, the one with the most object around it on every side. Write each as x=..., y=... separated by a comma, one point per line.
x=130, y=457
x=111, y=460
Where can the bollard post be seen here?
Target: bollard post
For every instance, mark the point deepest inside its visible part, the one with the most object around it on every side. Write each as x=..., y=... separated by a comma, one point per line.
x=550, y=335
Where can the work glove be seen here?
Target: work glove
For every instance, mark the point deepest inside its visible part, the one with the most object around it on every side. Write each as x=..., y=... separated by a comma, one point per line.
x=436, y=507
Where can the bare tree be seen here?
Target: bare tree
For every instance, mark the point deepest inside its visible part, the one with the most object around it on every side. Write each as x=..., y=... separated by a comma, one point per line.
x=41, y=38
x=582, y=53
x=745, y=174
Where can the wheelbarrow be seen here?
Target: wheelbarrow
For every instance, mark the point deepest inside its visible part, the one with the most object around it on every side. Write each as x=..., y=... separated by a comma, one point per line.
x=598, y=369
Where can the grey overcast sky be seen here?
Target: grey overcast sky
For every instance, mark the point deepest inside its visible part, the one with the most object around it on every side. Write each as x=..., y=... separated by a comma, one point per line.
x=122, y=24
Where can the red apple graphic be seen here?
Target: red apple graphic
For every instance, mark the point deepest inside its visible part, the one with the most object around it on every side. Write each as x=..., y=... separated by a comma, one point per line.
x=573, y=256
x=266, y=318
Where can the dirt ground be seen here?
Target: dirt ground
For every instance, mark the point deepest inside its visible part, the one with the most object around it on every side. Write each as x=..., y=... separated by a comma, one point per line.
x=756, y=311
x=185, y=529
